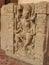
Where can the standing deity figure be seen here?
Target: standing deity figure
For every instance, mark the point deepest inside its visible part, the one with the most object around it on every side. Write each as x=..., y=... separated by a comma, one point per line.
x=28, y=25
x=18, y=27
x=18, y=18
x=25, y=29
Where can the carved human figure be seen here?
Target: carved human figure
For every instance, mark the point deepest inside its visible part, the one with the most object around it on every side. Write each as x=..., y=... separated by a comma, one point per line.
x=26, y=30
x=18, y=18
x=30, y=42
x=28, y=27
x=18, y=27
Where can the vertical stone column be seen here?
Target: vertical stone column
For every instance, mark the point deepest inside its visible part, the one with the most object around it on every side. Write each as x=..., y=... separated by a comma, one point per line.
x=7, y=19
x=41, y=27
x=47, y=38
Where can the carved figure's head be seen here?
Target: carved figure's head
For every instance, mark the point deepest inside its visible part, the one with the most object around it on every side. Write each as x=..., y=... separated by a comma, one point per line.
x=19, y=10
x=27, y=11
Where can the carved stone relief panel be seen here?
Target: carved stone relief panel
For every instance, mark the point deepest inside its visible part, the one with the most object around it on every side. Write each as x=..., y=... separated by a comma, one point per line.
x=25, y=31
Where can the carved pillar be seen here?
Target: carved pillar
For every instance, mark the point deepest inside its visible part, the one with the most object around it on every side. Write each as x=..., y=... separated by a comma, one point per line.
x=7, y=19
x=47, y=38
x=41, y=32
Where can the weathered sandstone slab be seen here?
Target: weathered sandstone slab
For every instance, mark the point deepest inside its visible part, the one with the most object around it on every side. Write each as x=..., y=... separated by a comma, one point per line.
x=25, y=31
x=41, y=7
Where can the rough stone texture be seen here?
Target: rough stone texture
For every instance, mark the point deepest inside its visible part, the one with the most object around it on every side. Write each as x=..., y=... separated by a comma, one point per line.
x=41, y=23
x=40, y=38
x=6, y=60
x=25, y=32
x=40, y=7
x=7, y=9
x=7, y=27
x=47, y=8
x=47, y=46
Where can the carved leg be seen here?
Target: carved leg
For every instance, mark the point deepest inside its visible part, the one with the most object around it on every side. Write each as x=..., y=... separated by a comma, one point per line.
x=29, y=38
x=17, y=41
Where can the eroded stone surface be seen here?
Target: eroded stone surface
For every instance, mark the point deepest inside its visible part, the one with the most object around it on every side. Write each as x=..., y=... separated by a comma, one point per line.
x=25, y=28
x=47, y=8
x=40, y=7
